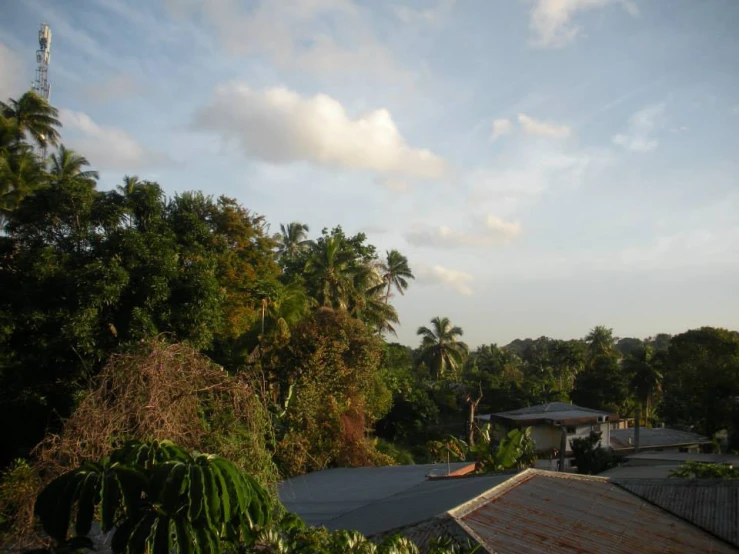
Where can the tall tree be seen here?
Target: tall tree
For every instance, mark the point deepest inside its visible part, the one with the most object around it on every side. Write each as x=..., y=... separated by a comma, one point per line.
x=600, y=343
x=440, y=349
x=67, y=167
x=395, y=273
x=293, y=239
x=330, y=272
x=645, y=377
x=33, y=115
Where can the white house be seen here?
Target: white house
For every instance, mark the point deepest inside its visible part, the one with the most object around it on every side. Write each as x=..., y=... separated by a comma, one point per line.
x=547, y=422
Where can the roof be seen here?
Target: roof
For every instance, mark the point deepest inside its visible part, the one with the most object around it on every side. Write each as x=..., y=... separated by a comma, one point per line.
x=681, y=457
x=639, y=472
x=654, y=437
x=323, y=496
x=711, y=504
x=559, y=412
x=540, y=511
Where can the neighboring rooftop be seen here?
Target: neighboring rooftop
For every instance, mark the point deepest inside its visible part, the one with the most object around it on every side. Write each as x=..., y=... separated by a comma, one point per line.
x=711, y=504
x=539, y=511
x=559, y=412
x=639, y=472
x=656, y=437
x=324, y=496
x=677, y=458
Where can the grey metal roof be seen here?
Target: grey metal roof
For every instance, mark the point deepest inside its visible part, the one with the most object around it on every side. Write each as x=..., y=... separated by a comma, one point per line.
x=555, y=411
x=639, y=472
x=538, y=511
x=417, y=504
x=323, y=496
x=682, y=457
x=654, y=437
x=712, y=504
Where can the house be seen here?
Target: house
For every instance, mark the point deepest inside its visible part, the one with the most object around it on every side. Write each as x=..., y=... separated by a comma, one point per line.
x=548, y=421
x=531, y=511
x=657, y=439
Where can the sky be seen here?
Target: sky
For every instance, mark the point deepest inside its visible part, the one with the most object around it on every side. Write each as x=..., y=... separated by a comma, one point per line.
x=546, y=165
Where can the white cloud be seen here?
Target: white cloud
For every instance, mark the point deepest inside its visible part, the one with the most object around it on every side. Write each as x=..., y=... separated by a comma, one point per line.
x=106, y=147
x=551, y=20
x=12, y=82
x=279, y=126
x=440, y=275
x=115, y=87
x=501, y=127
x=429, y=16
x=395, y=185
x=491, y=231
x=295, y=36
x=639, y=136
x=532, y=126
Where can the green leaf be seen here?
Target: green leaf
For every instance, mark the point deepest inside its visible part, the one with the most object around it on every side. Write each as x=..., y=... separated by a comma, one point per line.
x=132, y=482
x=223, y=493
x=110, y=500
x=142, y=533
x=196, y=494
x=121, y=535
x=184, y=536
x=88, y=498
x=212, y=503
x=173, y=487
x=161, y=536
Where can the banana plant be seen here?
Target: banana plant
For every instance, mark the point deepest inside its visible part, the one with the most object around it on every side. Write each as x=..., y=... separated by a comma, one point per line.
x=157, y=498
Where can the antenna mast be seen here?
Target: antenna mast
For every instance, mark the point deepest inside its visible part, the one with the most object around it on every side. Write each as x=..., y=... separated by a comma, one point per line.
x=41, y=84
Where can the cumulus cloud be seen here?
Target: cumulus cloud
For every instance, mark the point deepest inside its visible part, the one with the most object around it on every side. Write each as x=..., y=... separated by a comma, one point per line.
x=113, y=88
x=491, y=231
x=395, y=185
x=501, y=127
x=532, y=126
x=106, y=147
x=639, y=134
x=551, y=20
x=444, y=276
x=433, y=15
x=12, y=82
x=279, y=126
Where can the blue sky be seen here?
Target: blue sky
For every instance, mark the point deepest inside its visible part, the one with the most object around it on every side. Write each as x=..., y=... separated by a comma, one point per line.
x=546, y=165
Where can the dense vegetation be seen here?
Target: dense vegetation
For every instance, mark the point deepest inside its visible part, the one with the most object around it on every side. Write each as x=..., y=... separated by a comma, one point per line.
x=270, y=348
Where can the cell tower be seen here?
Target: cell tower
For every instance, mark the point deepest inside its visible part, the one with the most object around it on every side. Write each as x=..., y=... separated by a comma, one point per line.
x=41, y=84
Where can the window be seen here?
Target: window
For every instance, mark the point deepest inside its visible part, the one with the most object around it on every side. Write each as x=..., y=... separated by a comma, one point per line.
x=571, y=430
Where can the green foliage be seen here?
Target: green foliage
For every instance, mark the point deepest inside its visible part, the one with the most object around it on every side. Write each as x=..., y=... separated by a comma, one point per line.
x=157, y=497
x=440, y=350
x=515, y=450
x=701, y=381
x=332, y=360
x=602, y=385
x=590, y=457
x=700, y=470
x=18, y=483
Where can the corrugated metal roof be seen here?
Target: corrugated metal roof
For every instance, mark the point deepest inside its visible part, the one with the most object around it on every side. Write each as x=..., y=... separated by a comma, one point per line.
x=639, y=472
x=654, y=437
x=553, y=411
x=712, y=504
x=545, y=512
x=322, y=496
x=416, y=504
x=682, y=457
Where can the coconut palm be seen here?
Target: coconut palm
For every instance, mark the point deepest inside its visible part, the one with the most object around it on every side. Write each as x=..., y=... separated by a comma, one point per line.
x=20, y=175
x=33, y=115
x=66, y=166
x=130, y=182
x=395, y=273
x=440, y=350
x=293, y=239
x=645, y=379
x=600, y=343
x=330, y=273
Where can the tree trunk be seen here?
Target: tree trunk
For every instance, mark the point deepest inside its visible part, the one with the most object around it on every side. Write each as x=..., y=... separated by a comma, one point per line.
x=637, y=424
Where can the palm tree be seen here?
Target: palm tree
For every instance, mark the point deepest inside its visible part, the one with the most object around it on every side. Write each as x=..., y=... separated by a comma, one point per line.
x=20, y=175
x=130, y=182
x=599, y=343
x=645, y=379
x=330, y=273
x=395, y=272
x=33, y=115
x=293, y=239
x=66, y=167
x=440, y=349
